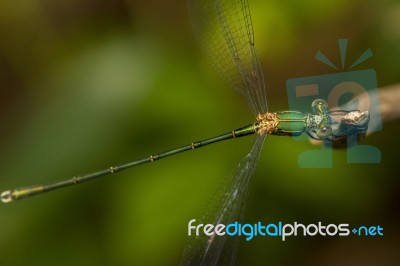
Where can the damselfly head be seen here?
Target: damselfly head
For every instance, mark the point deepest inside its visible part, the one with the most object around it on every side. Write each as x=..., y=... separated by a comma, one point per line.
x=6, y=196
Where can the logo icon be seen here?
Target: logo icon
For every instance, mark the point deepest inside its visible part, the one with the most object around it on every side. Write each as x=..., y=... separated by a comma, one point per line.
x=340, y=90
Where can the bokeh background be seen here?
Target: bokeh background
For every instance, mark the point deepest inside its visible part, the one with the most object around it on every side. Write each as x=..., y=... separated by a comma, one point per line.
x=89, y=84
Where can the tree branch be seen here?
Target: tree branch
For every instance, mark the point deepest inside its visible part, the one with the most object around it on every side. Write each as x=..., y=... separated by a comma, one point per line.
x=389, y=109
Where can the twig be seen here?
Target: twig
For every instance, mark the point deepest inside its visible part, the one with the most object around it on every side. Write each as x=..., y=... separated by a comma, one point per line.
x=389, y=103
x=389, y=109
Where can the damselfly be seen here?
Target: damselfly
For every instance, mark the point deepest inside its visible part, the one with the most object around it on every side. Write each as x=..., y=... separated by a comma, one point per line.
x=224, y=30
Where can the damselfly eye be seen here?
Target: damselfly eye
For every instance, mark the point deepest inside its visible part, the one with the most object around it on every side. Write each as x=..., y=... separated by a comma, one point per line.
x=319, y=106
x=324, y=131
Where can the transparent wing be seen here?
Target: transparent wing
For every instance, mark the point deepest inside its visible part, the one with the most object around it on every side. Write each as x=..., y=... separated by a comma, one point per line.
x=229, y=207
x=225, y=33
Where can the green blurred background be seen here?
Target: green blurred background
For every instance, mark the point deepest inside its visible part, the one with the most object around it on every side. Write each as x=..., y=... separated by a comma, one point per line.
x=89, y=84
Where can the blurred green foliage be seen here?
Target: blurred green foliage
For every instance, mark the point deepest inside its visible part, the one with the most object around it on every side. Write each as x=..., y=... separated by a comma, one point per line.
x=88, y=84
